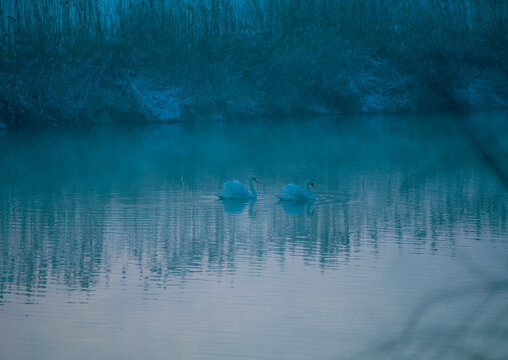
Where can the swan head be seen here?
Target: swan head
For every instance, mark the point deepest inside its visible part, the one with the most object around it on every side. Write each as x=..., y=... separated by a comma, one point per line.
x=252, y=178
x=309, y=183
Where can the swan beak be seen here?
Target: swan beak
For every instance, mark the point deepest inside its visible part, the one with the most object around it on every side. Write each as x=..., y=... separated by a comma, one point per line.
x=312, y=185
x=255, y=180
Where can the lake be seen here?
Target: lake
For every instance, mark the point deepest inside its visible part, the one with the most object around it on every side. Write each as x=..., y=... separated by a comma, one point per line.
x=114, y=246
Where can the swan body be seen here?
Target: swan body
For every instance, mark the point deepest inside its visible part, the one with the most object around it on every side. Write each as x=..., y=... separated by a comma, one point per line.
x=234, y=189
x=292, y=192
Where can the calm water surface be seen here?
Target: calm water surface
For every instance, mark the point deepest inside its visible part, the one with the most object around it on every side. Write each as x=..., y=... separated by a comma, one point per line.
x=113, y=246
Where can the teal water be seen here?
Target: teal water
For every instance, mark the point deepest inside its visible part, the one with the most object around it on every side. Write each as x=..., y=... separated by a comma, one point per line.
x=113, y=246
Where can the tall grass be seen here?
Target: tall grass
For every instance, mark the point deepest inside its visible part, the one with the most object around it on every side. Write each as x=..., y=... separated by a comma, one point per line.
x=347, y=54
x=200, y=32
x=180, y=24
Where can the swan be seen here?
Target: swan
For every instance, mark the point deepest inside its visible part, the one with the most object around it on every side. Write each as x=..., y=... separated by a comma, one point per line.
x=295, y=192
x=234, y=189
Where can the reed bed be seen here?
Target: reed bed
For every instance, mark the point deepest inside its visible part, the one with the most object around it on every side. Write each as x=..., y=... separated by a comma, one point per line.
x=351, y=55
x=178, y=24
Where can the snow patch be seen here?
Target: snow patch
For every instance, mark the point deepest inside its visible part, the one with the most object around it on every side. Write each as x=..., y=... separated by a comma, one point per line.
x=483, y=89
x=162, y=103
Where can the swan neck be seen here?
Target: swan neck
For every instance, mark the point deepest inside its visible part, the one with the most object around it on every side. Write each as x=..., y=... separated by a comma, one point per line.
x=251, y=187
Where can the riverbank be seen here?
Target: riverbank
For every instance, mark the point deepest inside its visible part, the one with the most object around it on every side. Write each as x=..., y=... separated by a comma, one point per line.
x=100, y=89
x=143, y=61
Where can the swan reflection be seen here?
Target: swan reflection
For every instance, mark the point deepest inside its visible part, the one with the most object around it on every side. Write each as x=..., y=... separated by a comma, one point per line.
x=237, y=206
x=298, y=207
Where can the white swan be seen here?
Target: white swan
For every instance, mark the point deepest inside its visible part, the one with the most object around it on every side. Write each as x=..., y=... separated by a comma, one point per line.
x=235, y=190
x=295, y=192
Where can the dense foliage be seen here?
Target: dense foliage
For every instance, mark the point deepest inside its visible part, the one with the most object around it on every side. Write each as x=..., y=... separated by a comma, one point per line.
x=69, y=61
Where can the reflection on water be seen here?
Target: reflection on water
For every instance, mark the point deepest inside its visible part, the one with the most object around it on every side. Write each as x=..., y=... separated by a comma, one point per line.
x=297, y=207
x=236, y=206
x=112, y=241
